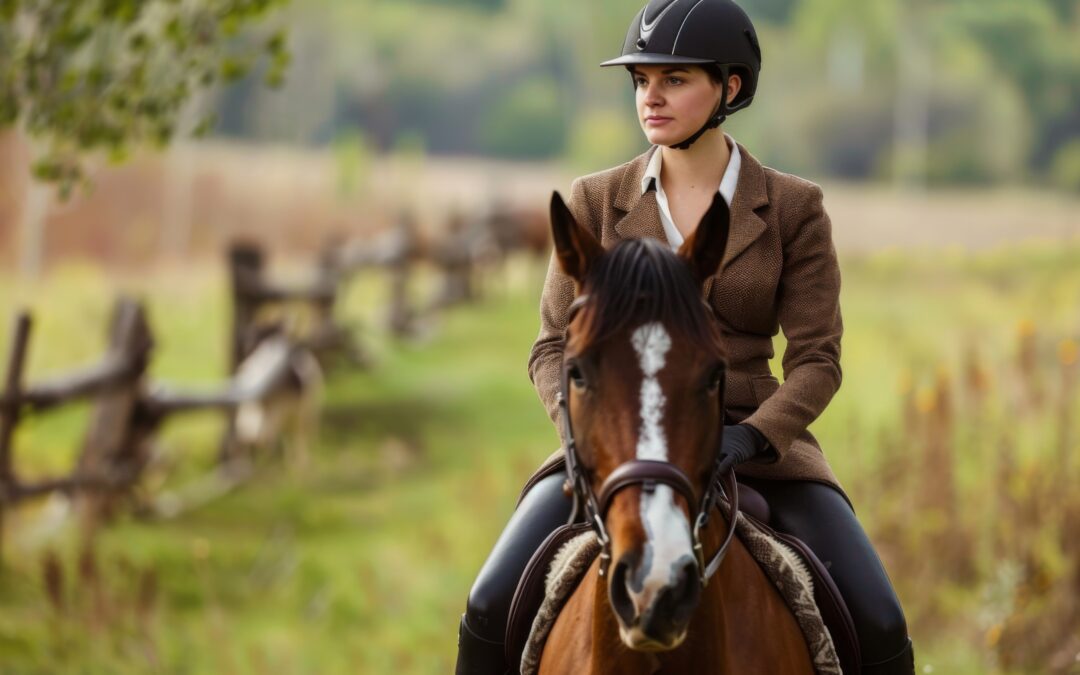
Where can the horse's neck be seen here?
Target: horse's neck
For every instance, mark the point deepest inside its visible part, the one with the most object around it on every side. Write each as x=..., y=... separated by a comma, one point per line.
x=707, y=640
x=740, y=612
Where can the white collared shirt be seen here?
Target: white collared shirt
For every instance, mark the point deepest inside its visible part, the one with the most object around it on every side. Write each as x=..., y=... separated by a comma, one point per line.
x=727, y=188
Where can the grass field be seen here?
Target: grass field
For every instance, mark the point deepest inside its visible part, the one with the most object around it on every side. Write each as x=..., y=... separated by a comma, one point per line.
x=361, y=563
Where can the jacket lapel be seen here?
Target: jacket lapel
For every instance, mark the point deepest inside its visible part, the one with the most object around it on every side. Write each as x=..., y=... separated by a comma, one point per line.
x=750, y=195
x=642, y=217
x=746, y=225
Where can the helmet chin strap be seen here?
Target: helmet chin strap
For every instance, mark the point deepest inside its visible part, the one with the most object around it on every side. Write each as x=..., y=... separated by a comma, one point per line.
x=715, y=119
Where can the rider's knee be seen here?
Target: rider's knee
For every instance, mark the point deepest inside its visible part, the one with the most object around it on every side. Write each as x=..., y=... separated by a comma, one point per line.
x=543, y=508
x=485, y=611
x=883, y=634
x=549, y=490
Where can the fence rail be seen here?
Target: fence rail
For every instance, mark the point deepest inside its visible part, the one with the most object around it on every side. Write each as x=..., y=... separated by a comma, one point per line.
x=275, y=370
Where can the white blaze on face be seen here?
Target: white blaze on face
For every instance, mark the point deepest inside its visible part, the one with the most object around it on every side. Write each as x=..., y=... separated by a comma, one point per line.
x=667, y=530
x=651, y=342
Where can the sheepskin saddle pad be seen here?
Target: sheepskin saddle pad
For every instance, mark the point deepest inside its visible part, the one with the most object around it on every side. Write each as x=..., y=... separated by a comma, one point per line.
x=786, y=568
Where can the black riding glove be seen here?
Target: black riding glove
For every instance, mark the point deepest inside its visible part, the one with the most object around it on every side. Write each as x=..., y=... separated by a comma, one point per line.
x=742, y=442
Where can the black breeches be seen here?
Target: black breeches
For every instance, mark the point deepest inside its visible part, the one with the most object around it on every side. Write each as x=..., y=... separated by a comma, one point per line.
x=543, y=509
x=819, y=516
x=813, y=512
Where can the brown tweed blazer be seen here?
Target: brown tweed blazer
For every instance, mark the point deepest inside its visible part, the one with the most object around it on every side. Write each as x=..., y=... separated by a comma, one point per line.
x=779, y=271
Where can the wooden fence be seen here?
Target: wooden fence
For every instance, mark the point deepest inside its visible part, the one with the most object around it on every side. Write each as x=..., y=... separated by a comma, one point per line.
x=127, y=409
x=275, y=377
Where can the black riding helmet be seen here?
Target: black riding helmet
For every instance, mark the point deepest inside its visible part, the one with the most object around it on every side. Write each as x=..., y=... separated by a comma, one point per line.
x=712, y=33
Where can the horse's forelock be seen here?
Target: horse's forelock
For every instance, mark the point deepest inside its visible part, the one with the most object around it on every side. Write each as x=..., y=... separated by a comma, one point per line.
x=640, y=281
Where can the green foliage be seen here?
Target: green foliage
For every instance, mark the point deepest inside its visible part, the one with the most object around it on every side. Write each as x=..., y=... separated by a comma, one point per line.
x=91, y=75
x=516, y=78
x=528, y=122
x=1066, y=168
x=603, y=138
x=775, y=11
x=1002, y=81
x=486, y=5
x=1035, y=49
x=409, y=145
x=354, y=161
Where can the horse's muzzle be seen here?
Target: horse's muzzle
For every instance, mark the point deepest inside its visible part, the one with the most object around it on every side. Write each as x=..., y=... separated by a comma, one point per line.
x=653, y=619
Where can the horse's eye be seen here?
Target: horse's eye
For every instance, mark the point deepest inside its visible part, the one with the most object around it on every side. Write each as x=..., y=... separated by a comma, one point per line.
x=576, y=376
x=715, y=378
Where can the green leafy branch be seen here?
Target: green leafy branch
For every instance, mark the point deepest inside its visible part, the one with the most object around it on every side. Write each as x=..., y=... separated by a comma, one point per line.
x=82, y=76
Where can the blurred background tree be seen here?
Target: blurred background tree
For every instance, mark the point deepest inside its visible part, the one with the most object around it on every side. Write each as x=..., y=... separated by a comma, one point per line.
x=926, y=93
x=81, y=76
x=923, y=93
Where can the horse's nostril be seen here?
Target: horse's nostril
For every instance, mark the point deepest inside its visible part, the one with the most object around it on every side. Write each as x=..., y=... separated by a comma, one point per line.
x=619, y=592
x=684, y=592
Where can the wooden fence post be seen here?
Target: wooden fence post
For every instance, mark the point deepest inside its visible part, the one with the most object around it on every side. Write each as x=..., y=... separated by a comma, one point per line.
x=9, y=411
x=454, y=258
x=115, y=449
x=246, y=264
x=327, y=336
x=400, y=316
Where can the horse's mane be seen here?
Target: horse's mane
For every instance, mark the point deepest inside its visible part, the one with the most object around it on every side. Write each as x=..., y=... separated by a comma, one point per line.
x=639, y=281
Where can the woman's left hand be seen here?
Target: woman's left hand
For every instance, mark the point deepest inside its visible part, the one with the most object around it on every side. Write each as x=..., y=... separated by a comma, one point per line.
x=741, y=443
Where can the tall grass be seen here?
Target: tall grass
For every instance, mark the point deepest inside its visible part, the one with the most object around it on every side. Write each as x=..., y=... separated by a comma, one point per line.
x=955, y=432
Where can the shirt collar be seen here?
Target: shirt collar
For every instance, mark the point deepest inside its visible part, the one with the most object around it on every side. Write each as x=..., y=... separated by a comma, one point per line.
x=727, y=184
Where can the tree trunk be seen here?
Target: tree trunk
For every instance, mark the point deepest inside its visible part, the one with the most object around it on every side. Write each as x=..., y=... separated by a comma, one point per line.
x=25, y=205
x=912, y=117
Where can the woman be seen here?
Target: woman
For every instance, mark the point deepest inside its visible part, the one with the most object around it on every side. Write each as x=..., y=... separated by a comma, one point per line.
x=693, y=62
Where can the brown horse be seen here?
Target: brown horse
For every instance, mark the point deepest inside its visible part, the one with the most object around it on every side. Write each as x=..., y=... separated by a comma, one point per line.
x=644, y=369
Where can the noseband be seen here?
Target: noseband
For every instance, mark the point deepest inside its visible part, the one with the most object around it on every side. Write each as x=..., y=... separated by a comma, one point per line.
x=647, y=473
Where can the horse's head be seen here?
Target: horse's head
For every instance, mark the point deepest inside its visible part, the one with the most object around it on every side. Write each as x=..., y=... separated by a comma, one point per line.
x=643, y=373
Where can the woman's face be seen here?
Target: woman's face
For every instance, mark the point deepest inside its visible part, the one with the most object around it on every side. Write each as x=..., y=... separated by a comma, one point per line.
x=674, y=101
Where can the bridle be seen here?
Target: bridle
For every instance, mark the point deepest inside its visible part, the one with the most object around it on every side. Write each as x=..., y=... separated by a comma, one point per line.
x=647, y=473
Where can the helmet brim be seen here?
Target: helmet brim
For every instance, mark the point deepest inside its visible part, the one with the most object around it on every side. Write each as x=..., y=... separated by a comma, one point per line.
x=646, y=59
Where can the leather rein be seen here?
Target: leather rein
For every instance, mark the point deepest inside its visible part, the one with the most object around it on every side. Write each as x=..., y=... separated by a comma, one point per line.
x=647, y=473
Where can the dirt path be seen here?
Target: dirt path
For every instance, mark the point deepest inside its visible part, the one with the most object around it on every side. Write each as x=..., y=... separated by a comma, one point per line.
x=865, y=218
x=868, y=218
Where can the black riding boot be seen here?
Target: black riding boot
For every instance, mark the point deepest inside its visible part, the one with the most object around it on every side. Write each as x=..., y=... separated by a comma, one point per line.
x=483, y=626
x=901, y=664
x=477, y=656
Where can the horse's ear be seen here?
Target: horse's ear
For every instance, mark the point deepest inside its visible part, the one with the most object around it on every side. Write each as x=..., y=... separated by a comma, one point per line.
x=576, y=247
x=704, y=250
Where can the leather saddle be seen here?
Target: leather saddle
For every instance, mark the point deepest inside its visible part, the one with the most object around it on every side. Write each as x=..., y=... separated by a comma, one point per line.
x=530, y=590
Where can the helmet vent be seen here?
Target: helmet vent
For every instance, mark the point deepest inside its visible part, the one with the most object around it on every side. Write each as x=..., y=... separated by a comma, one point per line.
x=649, y=24
x=654, y=12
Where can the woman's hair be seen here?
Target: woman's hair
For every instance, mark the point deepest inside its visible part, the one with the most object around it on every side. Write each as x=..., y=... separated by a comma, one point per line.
x=714, y=72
